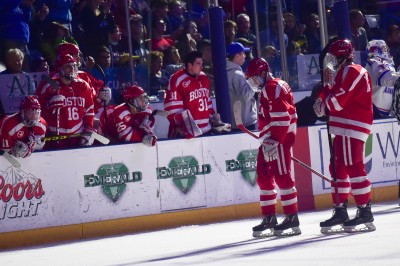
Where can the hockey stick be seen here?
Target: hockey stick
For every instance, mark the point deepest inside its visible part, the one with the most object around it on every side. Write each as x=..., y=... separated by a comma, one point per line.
x=11, y=159
x=93, y=135
x=238, y=119
x=162, y=113
x=103, y=75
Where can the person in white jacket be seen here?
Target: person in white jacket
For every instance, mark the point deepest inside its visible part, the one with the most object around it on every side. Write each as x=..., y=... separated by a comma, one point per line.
x=239, y=88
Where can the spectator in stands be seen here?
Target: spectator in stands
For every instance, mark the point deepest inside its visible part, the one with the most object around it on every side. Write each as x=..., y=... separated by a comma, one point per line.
x=15, y=16
x=172, y=60
x=22, y=133
x=205, y=49
x=175, y=16
x=312, y=34
x=119, y=14
x=158, y=42
x=295, y=32
x=243, y=29
x=249, y=54
x=269, y=53
x=358, y=34
x=40, y=64
x=158, y=76
x=13, y=62
x=230, y=31
x=159, y=12
x=189, y=39
x=132, y=121
x=393, y=42
x=37, y=27
x=141, y=6
x=305, y=111
x=239, y=88
x=59, y=11
x=64, y=97
x=270, y=36
x=188, y=102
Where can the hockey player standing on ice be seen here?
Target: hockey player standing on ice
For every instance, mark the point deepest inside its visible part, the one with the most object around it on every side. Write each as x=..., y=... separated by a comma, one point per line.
x=348, y=105
x=277, y=124
x=67, y=105
x=132, y=121
x=22, y=133
x=188, y=102
x=381, y=67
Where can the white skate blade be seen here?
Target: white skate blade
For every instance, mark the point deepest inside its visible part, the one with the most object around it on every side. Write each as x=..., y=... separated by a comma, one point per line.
x=263, y=234
x=332, y=229
x=294, y=231
x=367, y=227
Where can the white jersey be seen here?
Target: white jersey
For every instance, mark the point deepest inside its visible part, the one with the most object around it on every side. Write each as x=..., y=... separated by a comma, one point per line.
x=383, y=76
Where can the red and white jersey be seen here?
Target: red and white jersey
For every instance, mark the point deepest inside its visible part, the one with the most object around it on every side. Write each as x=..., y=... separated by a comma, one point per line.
x=188, y=92
x=350, y=103
x=12, y=129
x=277, y=115
x=78, y=113
x=124, y=126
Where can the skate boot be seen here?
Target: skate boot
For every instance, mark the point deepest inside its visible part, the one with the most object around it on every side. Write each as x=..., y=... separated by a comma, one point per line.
x=338, y=218
x=362, y=222
x=266, y=227
x=288, y=227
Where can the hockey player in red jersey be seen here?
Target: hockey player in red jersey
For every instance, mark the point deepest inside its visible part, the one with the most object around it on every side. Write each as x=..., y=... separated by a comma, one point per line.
x=132, y=121
x=277, y=124
x=67, y=105
x=348, y=105
x=101, y=93
x=188, y=102
x=23, y=132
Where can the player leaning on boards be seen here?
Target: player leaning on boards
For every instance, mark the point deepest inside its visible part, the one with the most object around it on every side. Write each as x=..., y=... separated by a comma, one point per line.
x=188, y=102
x=348, y=105
x=277, y=124
x=23, y=132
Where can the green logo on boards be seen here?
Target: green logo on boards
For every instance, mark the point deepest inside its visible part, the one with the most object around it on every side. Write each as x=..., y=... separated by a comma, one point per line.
x=246, y=163
x=183, y=171
x=112, y=178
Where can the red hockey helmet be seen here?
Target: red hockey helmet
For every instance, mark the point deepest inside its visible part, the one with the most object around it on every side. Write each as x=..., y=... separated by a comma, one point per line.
x=256, y=67
x=136, y=97
x=66, y=60
x=339, y=52
x=67, y=48
x=30, y=110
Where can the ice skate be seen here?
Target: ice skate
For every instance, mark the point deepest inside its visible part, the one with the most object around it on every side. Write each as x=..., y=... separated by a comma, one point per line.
x=363, y=222
x=266, y=227
x=288, y=227
x=335, y=223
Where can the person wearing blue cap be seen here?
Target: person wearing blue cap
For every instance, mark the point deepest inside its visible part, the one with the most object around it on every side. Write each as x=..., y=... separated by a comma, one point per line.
x=239, y=88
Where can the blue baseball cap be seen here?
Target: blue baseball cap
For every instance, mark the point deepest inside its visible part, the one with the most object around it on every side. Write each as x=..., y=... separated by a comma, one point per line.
x=236, y=48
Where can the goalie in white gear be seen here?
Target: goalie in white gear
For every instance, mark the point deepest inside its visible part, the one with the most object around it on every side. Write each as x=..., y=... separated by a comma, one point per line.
x=381, y=67
x=22, y=133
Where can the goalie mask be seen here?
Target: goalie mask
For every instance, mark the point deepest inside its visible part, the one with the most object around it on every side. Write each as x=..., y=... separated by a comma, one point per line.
x=66, y=67
x=30, y=110
x=255, y=69
x=70, y=49
x=136, y=97
x=339, y=52
x=378, y=48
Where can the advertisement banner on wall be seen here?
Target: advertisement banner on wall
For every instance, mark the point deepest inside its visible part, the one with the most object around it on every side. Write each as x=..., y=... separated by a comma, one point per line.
x=380, y=154
x=181, y=171
x=233, y=159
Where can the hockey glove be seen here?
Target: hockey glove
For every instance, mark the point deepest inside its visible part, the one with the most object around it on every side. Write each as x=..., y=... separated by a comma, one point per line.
x=270, y=149
x=149, y=140
x=319, y=108
x=55, y=103
x=87, y=139
x=36, y=142
x=20, y=149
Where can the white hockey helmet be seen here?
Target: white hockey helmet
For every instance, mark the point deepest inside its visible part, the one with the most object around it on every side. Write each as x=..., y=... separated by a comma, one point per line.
x=378, y=48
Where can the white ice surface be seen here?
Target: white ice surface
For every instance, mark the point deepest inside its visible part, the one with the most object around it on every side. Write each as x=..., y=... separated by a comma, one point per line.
x=229, y=243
